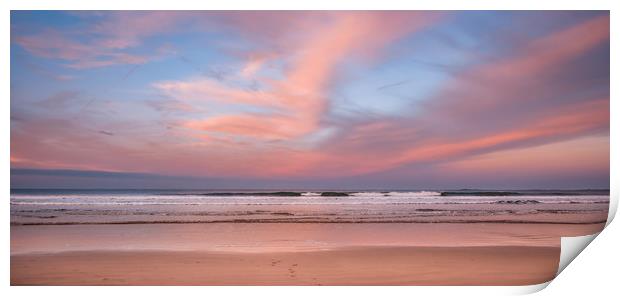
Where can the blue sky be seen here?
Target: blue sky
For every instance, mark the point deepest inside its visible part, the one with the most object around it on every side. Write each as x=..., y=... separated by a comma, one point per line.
x=364, y=99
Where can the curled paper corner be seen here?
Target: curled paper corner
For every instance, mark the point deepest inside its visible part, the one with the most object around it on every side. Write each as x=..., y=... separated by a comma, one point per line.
x=531, y=289
x=571, y=247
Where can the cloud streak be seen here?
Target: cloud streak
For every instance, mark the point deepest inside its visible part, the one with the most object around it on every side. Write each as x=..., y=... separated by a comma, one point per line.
x=300, y=98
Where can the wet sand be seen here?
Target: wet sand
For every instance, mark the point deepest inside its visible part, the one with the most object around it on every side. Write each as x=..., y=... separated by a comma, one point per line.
x=347, y=266
x=289, y=254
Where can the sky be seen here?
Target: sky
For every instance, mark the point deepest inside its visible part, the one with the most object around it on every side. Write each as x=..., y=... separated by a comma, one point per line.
x=321, y=99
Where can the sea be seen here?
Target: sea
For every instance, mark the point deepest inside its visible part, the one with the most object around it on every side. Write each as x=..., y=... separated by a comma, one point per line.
x=67, y=207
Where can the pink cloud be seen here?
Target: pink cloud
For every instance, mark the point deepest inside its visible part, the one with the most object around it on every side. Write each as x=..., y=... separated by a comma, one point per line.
x=564, y=123
x=586, y=154
x=301, y=96
x=107, y=39
x=55, y=45
x=253, y=65
x=518, y=79
x=452, y=124
x=205, y=90
x=127, y=29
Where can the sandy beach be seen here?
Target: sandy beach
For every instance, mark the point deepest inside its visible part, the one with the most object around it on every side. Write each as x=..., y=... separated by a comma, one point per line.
x=288, y=254
x=351, y=266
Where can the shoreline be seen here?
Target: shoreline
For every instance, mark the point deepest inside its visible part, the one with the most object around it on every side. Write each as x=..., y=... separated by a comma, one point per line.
x=283, y=221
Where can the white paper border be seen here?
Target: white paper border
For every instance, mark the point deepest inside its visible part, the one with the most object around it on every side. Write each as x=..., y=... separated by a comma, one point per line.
x=315, y=4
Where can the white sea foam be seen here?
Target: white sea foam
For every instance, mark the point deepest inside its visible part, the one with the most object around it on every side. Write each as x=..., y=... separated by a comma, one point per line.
x=311, y=194
x=415, y=193
x=310, y=206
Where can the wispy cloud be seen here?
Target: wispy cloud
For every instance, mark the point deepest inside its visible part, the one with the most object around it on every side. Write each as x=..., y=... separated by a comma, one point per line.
x=104, y=43
x=301, y=97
